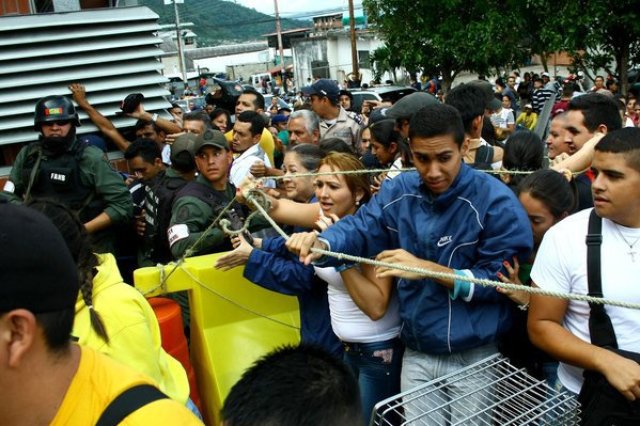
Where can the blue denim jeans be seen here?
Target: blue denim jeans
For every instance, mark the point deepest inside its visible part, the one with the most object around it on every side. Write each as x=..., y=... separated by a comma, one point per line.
x=376, y=366
x=456, y=402
x=550, y=372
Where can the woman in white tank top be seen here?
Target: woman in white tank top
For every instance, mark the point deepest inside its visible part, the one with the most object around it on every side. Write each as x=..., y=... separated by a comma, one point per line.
x=364, y=310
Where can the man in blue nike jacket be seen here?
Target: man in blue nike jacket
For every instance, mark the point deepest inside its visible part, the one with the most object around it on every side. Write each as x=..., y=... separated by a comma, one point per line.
x=444, y=217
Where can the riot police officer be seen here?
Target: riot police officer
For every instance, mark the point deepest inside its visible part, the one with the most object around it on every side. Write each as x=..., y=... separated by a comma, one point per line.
x=60, y=167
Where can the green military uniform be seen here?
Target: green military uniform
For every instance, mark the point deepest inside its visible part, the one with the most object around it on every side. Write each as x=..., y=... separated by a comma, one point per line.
x=190, y=216
x=104, y=186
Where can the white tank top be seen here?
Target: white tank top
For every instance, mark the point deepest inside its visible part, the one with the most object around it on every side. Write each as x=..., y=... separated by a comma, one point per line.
x=349, y=323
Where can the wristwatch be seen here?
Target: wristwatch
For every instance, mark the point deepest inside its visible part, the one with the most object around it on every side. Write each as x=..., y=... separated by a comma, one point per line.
x=154, y=117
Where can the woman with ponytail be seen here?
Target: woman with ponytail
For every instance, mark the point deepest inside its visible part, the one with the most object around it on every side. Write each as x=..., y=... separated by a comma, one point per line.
x=112, y=317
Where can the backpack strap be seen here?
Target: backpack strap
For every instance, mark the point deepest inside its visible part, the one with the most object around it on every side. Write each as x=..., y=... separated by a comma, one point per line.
x=127, y=402
x=488, y=159
x=600, y=326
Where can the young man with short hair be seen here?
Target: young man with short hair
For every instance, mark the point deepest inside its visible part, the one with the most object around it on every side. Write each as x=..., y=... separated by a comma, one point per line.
x=251, y=100
x=247, y=132
x=144, y=159
x=197, y=204
x=45, y=377
x=444, y=217
x=590, y=117
x=560, y=327
x=335, y=121
x=294, y=386
x=159, y=196
x=471, y=100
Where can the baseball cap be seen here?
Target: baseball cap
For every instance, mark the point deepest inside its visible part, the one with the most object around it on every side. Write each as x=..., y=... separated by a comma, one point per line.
x=131, y=102
x=185, y=142
x=545, y=74
x=279, y=118
x=37, y=272
x=528, y=106
x=323, y=87
x=493, y=103
x=377, y=116
x=92, y=139
x=409, y=105
x=210, y=137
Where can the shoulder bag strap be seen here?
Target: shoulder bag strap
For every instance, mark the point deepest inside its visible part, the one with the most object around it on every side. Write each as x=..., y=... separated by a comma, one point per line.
x=600, y=327
x=127, y=402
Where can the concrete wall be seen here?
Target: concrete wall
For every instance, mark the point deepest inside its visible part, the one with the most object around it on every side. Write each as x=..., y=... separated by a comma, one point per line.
x=339, y=54
x=220, y=63
x=335, y=48
x=306, y=51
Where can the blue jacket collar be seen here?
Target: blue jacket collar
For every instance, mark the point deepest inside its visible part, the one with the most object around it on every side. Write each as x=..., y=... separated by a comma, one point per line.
x=462, y=180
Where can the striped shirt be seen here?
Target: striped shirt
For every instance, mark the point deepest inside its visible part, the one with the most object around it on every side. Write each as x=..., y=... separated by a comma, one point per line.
x=538, y=99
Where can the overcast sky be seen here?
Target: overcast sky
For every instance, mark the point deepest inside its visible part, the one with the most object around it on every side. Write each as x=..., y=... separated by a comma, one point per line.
x=289, y=7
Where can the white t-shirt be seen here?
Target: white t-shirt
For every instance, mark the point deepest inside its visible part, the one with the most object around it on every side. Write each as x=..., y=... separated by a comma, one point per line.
x=166, y=154
x=348, y=322
x=241, y=166
x=561, y=265
x=502, y=118
x=394, y=170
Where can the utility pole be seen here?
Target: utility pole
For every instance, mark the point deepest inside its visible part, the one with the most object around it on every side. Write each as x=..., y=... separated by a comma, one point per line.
x=354, y=49
x=183, y=68
x=281, y=51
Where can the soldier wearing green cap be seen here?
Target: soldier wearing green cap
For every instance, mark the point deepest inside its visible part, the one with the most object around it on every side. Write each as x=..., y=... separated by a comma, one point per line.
x=200, y=201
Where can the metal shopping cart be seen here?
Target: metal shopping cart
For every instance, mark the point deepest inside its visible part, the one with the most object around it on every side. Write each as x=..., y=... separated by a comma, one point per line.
x=489, y=392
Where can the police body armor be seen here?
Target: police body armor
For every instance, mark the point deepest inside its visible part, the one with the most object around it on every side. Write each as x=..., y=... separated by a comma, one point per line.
x=58, y=179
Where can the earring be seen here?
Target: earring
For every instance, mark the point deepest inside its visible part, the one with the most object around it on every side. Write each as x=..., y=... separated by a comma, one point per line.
x=357, y=203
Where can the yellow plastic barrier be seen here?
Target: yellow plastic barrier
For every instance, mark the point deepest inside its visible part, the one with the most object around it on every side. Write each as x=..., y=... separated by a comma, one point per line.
x=229, y=330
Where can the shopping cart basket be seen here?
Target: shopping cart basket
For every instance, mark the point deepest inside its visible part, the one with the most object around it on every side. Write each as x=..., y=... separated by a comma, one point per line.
x=489, y=392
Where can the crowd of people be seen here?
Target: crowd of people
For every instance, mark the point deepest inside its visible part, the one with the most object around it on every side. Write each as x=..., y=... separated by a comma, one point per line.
x=479, y=202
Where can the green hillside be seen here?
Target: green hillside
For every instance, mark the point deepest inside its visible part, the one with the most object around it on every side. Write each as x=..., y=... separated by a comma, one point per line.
x=219, y=22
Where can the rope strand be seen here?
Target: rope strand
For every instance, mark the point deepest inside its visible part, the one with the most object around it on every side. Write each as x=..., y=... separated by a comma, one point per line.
x=441, y=275
x=189, y=251
x=379, y=171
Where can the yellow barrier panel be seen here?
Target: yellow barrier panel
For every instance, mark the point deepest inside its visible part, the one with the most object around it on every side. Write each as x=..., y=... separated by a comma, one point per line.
x=233, y=323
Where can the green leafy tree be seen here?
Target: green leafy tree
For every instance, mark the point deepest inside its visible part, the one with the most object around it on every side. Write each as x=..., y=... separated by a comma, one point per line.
x=606, y=36
x=385, y=61
x=446, y=37
x=544, y=26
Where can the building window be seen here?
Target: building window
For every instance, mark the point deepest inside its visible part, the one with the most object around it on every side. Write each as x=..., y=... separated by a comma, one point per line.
x=364, y=59
x=320, y=69
x=44, y=6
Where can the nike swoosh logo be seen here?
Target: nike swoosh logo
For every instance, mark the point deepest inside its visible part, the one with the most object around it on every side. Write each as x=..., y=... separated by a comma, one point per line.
x=442, y=243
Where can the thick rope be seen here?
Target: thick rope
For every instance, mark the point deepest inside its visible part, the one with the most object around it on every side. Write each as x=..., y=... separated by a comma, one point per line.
x=189, y=251
x=441, y=275
x=233, y=302
x=410, y=169
x=226, y=223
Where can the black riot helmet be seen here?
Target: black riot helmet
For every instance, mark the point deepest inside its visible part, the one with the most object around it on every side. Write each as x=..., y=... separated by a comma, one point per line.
x=55, y=108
